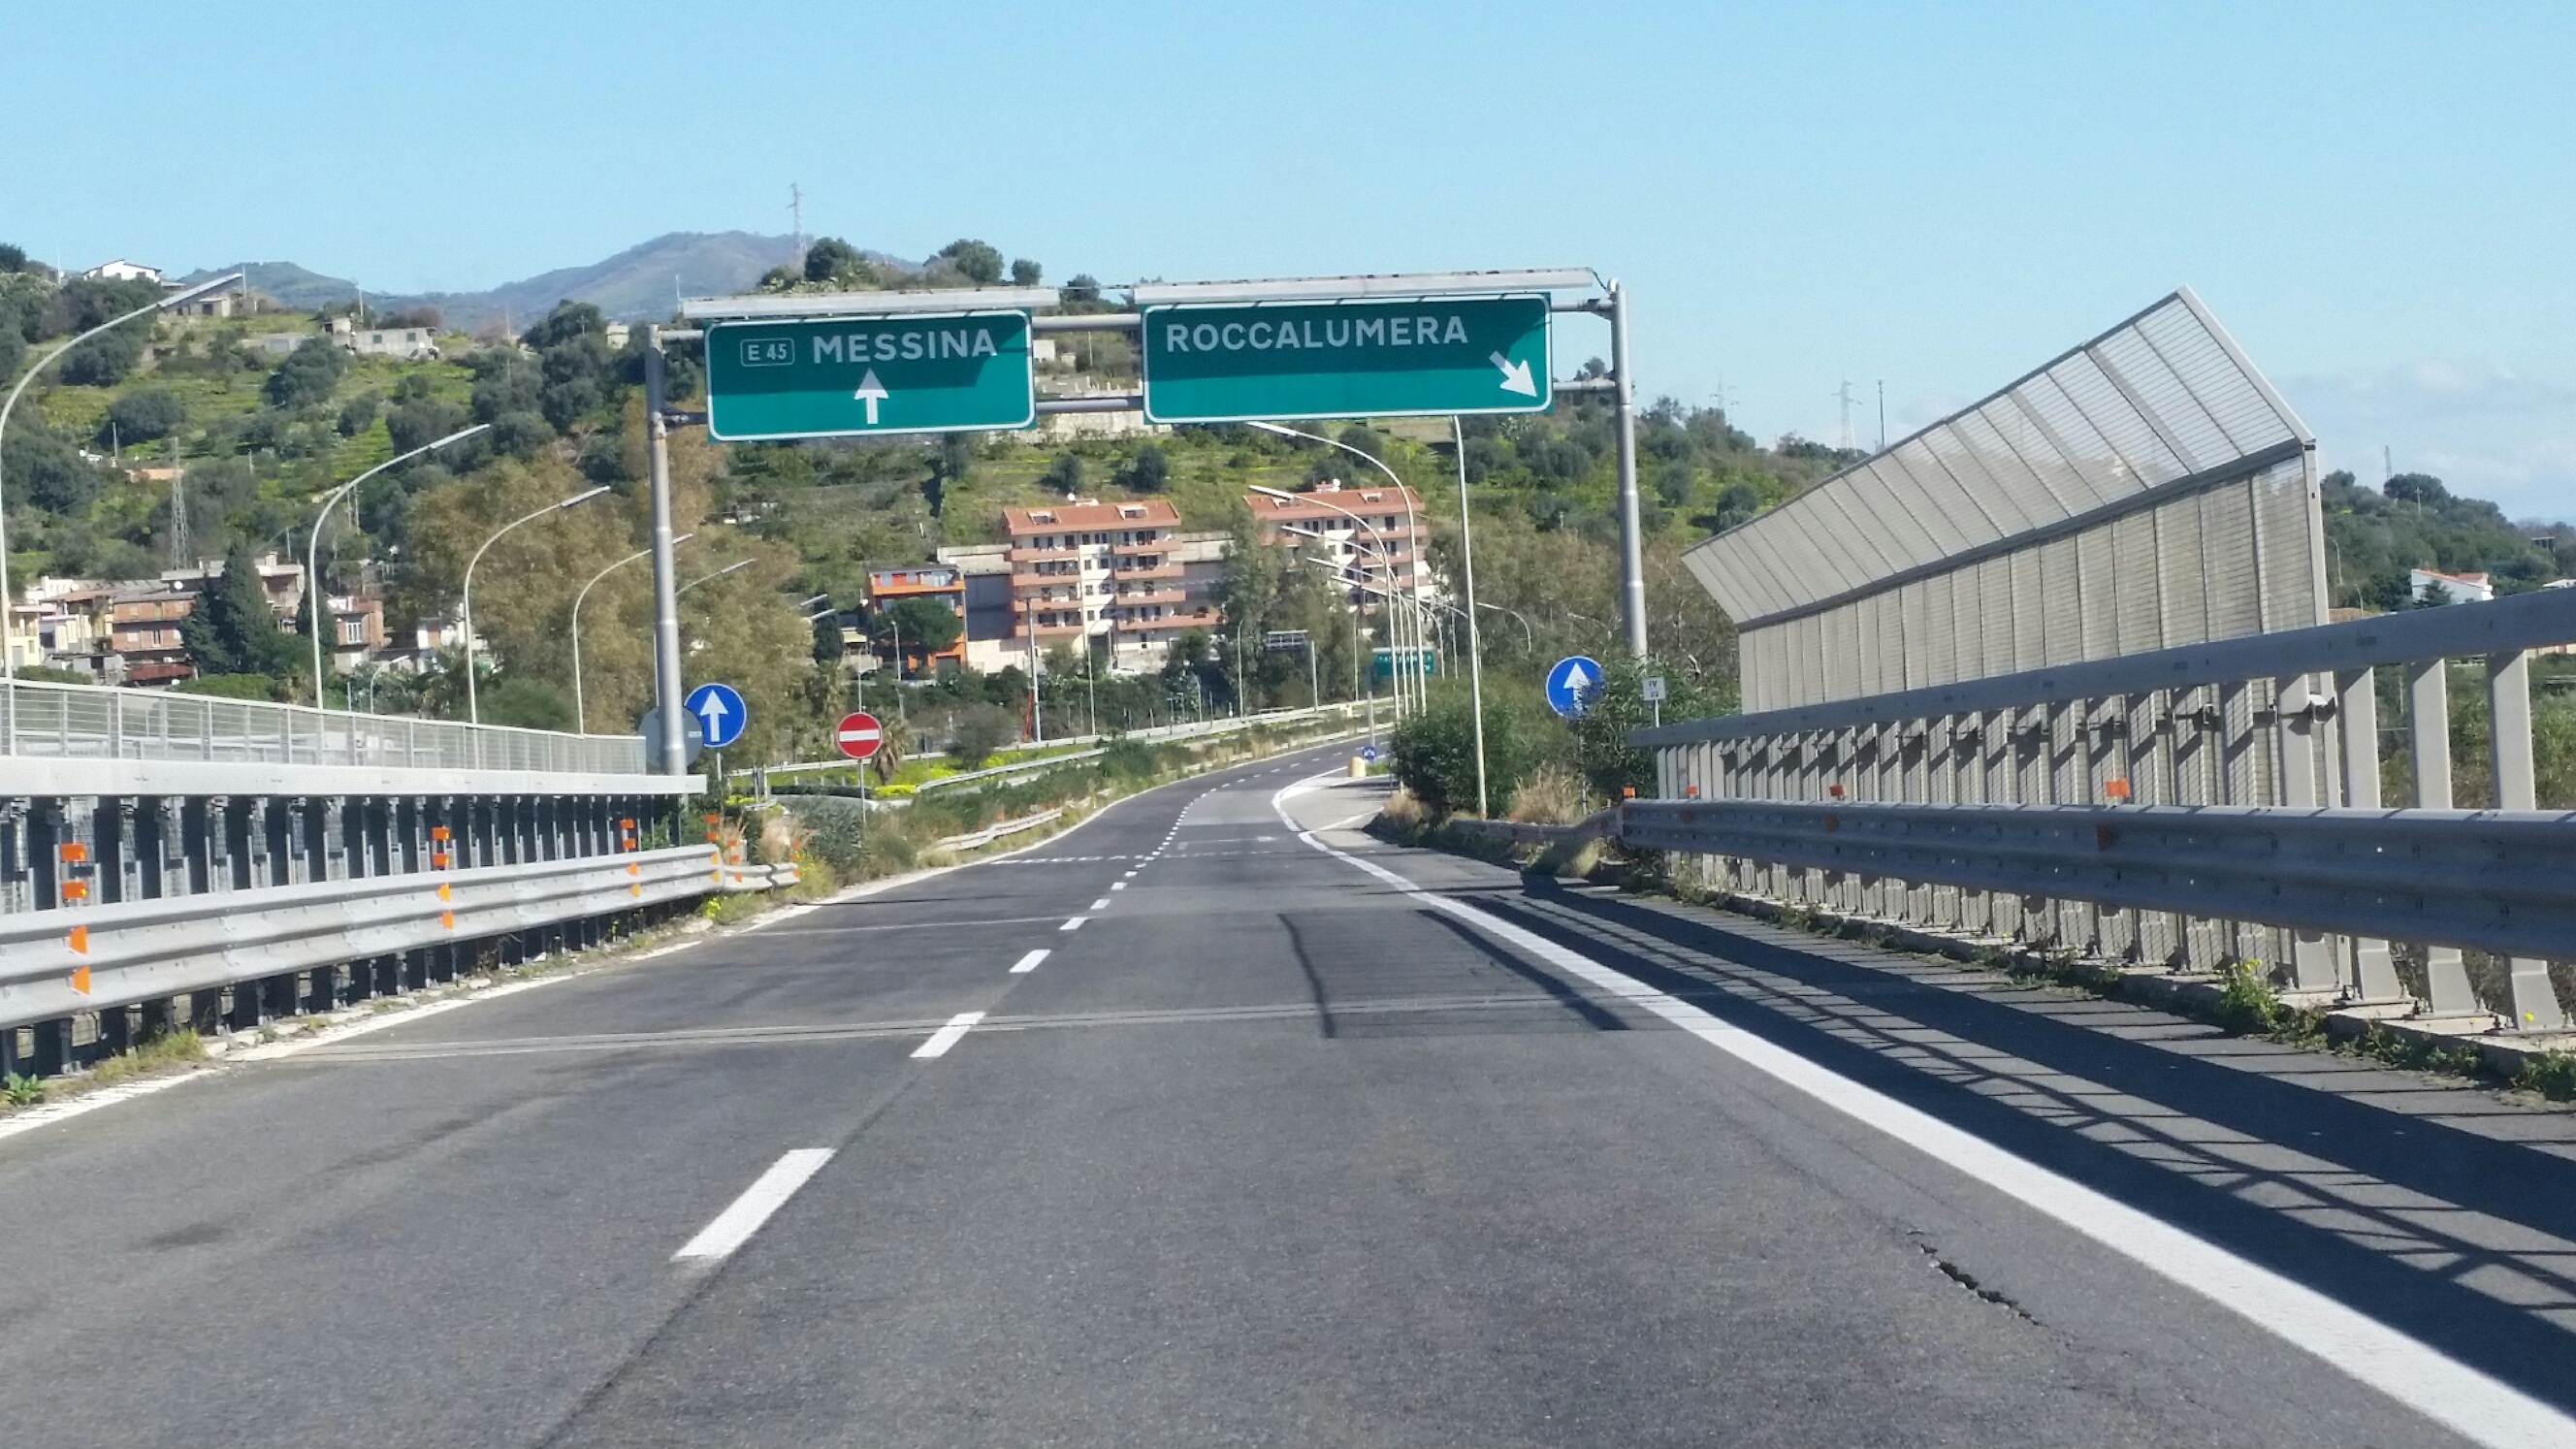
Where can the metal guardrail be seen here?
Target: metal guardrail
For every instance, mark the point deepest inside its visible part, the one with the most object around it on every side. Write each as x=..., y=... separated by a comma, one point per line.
x=88, y=721
x=2188, y=807
x=63, y=963
x=2499, y=881
x=1600, y=825
x=739, y=877
x=991, y=833
x=1198, y=729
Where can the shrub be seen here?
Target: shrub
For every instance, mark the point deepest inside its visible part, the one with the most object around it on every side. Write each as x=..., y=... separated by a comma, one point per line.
x=2247, y=1005
x=1552, y=795
x=2551, y=1074
x=1435, y=753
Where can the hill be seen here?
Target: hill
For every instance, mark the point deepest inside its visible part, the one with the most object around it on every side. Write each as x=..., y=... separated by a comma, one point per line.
x=637, y=284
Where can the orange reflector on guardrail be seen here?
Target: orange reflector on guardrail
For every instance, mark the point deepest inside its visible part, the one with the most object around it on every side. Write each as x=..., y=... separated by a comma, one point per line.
x=79, y=939
x=446, y=892
x=80, y=980
x=447, y=919
x=73, y=852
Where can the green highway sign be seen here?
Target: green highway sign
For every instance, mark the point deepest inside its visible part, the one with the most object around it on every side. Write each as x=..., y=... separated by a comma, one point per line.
x=833, y=377
x=1258, y=361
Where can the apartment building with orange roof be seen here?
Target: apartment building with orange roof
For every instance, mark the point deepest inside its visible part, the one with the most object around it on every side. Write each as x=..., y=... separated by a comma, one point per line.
x=1368, y=537
x=1085, y=571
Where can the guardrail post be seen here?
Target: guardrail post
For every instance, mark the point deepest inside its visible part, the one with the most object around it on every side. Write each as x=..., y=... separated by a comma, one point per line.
x=2312, y=962
x=2374, y=976
x=2535, y=1001
x=2428, y=732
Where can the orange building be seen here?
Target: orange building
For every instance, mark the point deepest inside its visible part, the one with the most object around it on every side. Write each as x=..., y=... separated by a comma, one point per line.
x=923, y=581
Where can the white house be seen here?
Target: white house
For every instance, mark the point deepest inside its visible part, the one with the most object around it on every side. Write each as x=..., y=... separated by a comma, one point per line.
x=122, y=270
x=2450, y=588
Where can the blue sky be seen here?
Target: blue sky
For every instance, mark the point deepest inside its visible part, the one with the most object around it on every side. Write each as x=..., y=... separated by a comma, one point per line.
x=2377, y=199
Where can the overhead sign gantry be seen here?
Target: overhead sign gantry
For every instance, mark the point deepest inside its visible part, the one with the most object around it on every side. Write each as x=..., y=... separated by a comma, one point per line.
x=793, y=365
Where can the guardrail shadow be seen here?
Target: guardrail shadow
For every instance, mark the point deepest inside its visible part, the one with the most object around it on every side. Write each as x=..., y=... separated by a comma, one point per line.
x=2464, y=1239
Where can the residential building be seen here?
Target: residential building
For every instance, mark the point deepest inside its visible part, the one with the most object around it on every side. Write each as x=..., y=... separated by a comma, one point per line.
x=122, y=270
x=2450, y=588
x=278, y=344
x=144, y=647
x=357, y=623
x=984, y=571
x=942, y=583
x=411, y=344
x=1087, y=570
x=281, y=580
x=411, y=650
x=1366, y=536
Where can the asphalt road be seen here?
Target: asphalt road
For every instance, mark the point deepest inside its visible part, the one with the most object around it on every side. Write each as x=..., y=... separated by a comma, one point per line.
x=1270, y=1148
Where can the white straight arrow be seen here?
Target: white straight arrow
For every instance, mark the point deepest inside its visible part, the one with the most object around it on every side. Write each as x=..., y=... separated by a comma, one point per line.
x=712, y=710
x=873, y=392
x=1516, y=378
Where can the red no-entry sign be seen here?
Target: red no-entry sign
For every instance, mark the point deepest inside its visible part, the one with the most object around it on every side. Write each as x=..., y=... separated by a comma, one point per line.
x=859, y=735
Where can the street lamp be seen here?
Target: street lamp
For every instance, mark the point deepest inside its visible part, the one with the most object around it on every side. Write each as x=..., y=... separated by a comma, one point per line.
x=731, y=568
x=313, y=545
x=1386, y=554
x=1363, y=547
x=1412, y=529
x=473, y=701
x=8, y=646
x=580, y=717
x=1475, y=654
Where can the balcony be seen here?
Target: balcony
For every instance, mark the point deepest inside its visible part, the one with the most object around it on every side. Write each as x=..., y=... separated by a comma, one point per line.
x=1167, y=569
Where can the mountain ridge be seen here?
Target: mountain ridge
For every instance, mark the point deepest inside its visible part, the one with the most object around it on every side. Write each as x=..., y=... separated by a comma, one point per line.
x=641, y=283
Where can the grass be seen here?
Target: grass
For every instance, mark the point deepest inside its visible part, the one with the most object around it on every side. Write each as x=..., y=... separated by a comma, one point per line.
x=2551, y=1074
x=167, y=1051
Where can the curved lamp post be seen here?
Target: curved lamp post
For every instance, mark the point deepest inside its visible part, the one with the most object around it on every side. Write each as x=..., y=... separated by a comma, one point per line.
x=8, y=647
x=1412, y=532
x=580, y=717
x=1397, y=636
x=313, y=545
x=473, y=700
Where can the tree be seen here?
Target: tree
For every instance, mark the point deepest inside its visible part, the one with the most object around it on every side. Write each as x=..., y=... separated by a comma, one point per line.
x=827, y=639
x=568, y=322
x=831, y=259
x=307, y=375
x=44, y=469
x=232, y=630
x=925, y=626
x=975, y=261
x=1064, y=474
x=145, y=414
x=1026, y=273
x=977, y=732
x=1150, y=471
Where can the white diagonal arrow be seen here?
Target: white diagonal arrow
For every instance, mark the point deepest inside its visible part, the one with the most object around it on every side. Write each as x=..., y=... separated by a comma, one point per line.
x=873, y=392
x=1516, y=376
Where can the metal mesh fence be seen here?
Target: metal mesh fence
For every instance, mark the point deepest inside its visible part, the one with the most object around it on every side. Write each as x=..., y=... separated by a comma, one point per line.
x=91, y=722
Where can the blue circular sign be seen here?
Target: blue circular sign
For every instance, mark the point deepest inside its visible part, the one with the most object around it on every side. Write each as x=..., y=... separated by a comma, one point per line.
x=1572, y=683
x=1369, y=753
x=719, y=711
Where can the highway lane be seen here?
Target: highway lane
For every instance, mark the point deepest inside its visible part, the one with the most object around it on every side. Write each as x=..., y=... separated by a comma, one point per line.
x=1266, y=1150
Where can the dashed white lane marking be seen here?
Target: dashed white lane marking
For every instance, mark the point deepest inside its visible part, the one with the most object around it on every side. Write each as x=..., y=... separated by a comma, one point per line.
x=1029, y=962
x=1118, y=885
x=947, y=1036
x=1131, y=875
x=2484, y=1409
x=1073, y=925
x=1101, y=904
x=767, y=1194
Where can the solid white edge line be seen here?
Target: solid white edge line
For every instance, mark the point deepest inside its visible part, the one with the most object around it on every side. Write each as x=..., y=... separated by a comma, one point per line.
x=1073, y=925
x=767, y=1194
x=2406, y=1369
x=1028, y=962
x=948, y=1036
